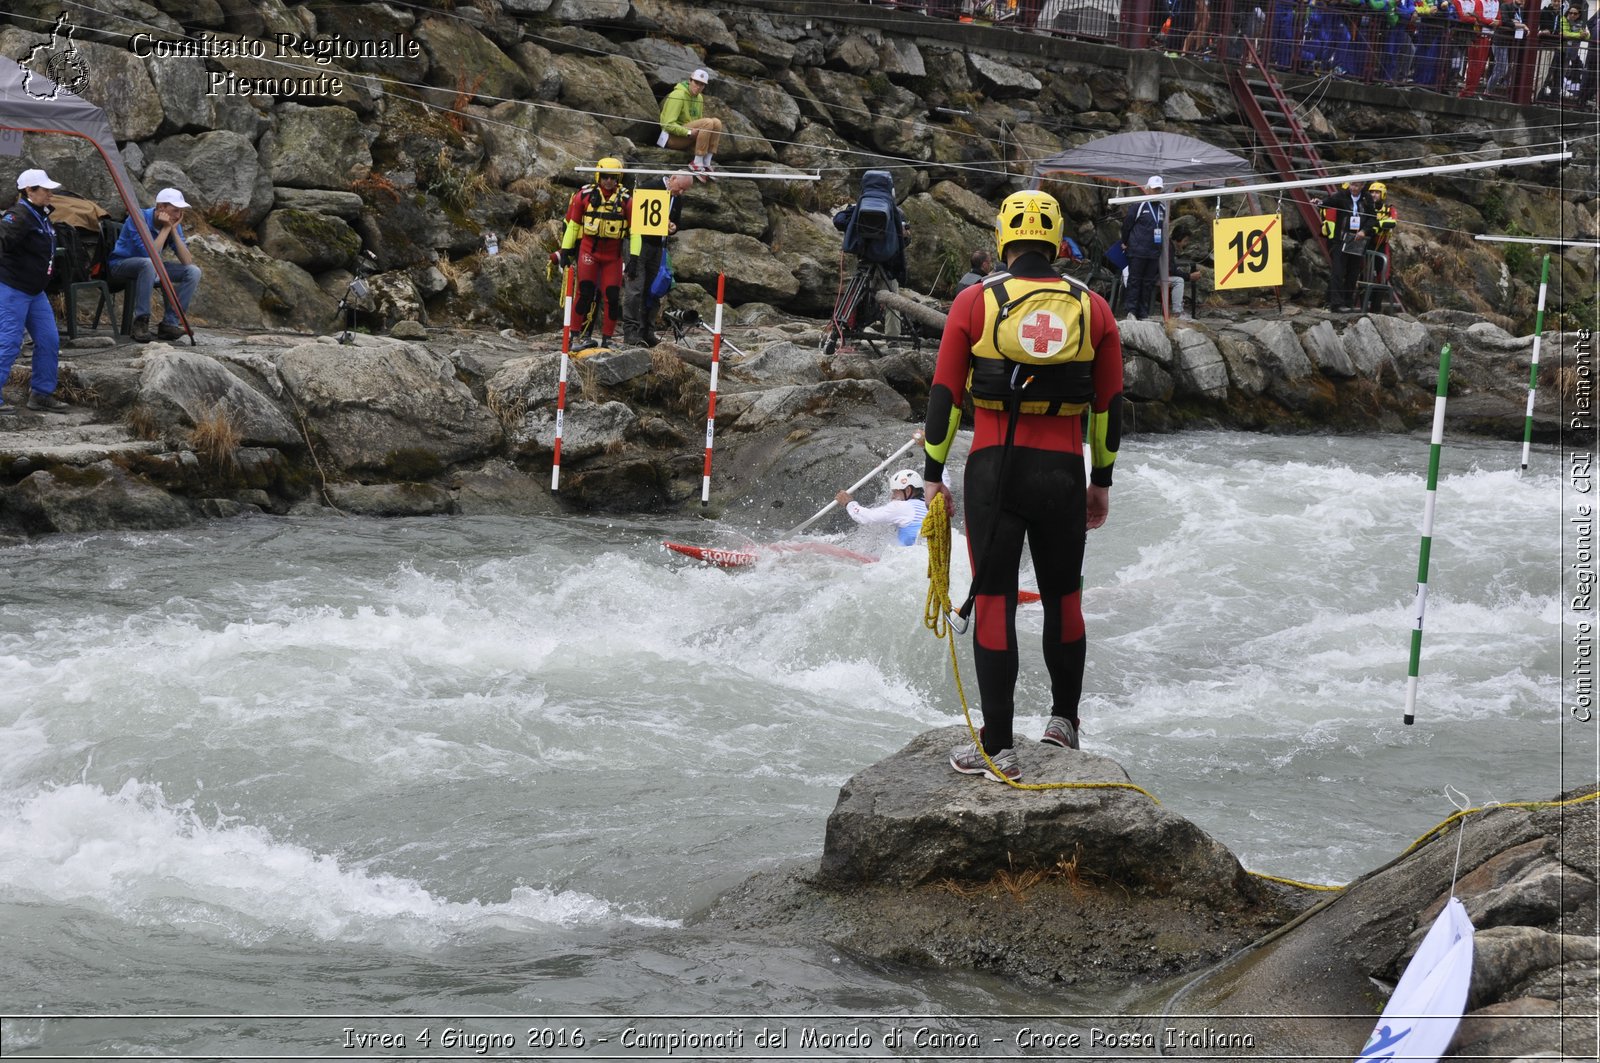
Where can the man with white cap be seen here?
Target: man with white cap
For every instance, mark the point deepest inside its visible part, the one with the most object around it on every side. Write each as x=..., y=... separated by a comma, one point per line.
x=27, y=257
x=684, y=125
x=1143, y=232
x=130, y=263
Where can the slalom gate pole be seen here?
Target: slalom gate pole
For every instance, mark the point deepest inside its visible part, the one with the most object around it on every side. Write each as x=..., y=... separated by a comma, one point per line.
x=853, y=488
x=1533, y=370
x=711, y=402
x=561, y=387
x=1421, y=604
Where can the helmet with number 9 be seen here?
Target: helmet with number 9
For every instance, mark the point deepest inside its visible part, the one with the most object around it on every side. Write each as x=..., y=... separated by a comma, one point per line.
x=1027, y=216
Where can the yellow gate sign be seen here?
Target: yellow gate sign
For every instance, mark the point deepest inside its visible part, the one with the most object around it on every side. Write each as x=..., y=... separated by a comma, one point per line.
x=650, y=209
x=1248, y=251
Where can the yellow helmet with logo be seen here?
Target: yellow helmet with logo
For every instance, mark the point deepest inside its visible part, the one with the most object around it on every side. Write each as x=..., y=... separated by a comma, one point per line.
x=1027, y=216
x=1378, y=188
x=608, y=167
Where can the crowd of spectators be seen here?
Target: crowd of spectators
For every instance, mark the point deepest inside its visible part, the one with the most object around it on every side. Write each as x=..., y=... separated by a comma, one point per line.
x=1542, y=51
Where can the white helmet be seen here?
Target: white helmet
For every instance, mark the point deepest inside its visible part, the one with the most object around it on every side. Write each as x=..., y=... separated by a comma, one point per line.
x=905, y=479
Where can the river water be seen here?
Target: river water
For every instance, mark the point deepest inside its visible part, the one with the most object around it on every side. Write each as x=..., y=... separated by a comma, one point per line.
x=474, y=766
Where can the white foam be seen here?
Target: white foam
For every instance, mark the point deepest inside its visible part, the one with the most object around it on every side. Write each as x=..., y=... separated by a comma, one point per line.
x=133, y=855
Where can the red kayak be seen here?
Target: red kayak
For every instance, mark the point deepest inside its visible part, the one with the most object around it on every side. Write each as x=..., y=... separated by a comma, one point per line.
x=724, y=558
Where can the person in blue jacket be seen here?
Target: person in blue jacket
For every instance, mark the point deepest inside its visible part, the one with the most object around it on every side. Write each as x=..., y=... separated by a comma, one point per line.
x=1143, y=230
x=130, y=262
x=27, y=258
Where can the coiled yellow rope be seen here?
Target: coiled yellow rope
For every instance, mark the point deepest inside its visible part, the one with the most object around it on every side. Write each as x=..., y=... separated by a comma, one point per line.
x=936, y=618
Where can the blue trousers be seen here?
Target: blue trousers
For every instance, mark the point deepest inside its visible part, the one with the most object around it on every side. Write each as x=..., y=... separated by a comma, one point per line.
x=141, y=276
x=19, y=311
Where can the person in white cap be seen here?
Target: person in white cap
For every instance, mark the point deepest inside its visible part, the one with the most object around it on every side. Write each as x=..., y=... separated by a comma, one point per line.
x=1143, y=232
x=905, y=509
x=685, y=126
x=130, y=263
x=27, y=258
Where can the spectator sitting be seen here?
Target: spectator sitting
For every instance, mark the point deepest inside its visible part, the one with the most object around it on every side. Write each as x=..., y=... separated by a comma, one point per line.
x=684, y=125
x=1180, y=272
x=982, y=265
x=128, y=263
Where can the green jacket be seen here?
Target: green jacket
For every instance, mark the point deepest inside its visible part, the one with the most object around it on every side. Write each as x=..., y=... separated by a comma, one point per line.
x=680, y=107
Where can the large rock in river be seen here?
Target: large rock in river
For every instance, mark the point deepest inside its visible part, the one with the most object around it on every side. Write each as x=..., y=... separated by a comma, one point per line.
x=927, y=867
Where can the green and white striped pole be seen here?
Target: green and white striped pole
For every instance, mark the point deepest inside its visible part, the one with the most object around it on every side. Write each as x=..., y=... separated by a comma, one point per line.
x=1421, y=604
x=1533, y=370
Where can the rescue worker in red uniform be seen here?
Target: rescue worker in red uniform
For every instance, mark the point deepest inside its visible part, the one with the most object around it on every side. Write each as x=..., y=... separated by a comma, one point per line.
x=1037, y=352
x=596, y=238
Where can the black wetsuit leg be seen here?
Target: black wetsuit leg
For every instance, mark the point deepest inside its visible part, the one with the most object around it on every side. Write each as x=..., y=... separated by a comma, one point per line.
x=1042, y=502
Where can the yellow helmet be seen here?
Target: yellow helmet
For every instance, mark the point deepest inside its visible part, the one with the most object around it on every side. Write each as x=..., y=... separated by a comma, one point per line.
x=608, y=167
x=1027, y=216
x=1378, y=188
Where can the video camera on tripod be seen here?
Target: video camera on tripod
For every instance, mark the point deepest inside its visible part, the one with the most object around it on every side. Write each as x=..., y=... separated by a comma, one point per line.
x=358, y=292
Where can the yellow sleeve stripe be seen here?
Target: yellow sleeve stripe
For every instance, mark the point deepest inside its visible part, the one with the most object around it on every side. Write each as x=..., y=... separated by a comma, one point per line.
x=940, y=451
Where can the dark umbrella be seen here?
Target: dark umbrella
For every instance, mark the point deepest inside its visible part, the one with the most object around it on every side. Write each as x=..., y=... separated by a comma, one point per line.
x=1134, y=157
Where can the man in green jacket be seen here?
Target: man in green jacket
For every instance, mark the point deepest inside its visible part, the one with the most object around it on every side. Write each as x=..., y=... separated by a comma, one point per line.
x=684, y=125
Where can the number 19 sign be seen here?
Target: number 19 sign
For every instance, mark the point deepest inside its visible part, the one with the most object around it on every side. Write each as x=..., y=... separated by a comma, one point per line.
x=1249, y=251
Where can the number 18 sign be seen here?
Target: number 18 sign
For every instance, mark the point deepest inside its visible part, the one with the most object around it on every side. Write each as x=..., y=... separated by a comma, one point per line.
x=1249, y=251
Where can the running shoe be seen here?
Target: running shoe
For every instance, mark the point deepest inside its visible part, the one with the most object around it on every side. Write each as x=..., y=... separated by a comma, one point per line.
x=1060, y=732
x=968, y=760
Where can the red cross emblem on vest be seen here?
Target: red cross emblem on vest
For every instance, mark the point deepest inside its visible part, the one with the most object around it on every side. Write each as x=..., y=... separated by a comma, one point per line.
x=1044, y=331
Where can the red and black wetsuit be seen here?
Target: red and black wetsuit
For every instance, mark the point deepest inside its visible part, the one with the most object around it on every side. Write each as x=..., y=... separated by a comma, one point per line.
x=1037, y=492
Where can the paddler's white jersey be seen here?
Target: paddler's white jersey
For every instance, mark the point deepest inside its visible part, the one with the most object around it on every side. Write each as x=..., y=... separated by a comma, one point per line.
x=905, y=514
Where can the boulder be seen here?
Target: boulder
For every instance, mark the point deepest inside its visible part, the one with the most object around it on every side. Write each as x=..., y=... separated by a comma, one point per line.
x=1368, y=353
x=542, y=143
x=705, y=27
x=180, y=388
x=909, y=820
x=1281, y=354
x=223, y=171
x=314, y=242
x=119, y=84
x=101, y=496
x=466, y=63
x=1198, y=367
x=346, y=205
x=1001, y=80
x=316, y=147
x=499, y=488
x=831, y=400
x=589, y=430
x=244, y=287
x=390, y=500
x=371, y=403
x=1148, y=338
x=753, y=275
x=1144, y=379
x=1326, y=352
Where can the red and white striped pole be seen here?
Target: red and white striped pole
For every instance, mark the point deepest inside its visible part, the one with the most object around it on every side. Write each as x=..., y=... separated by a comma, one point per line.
x=711, y=408
x=561, y=388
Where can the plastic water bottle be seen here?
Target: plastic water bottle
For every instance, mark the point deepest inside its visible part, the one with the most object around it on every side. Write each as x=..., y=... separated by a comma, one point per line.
x=491, y=242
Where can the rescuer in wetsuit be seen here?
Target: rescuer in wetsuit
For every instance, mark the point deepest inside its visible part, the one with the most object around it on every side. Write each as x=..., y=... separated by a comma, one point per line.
x=1037, y=352
x=596, y=238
